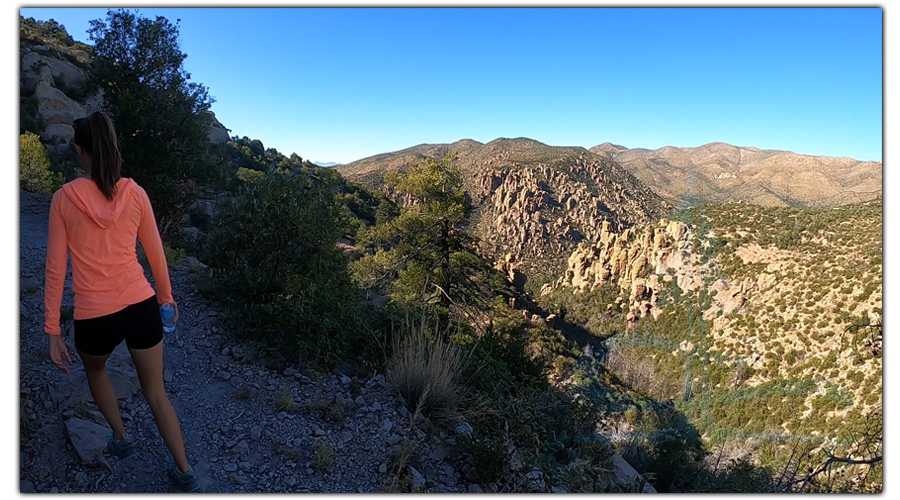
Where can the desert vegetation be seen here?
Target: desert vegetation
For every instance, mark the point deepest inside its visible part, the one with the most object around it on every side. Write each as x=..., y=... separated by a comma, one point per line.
x=387, y=272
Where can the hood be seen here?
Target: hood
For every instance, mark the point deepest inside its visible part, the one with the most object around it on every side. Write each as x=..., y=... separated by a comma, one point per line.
x=87, y=197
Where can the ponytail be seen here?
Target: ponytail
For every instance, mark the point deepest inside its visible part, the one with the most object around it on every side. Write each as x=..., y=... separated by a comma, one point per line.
x=97, y=137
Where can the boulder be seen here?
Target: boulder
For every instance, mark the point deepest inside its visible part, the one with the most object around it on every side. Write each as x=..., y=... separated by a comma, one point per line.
x=218, y=134
x=623, y=475
x=56, y=107
x=63, y=132
x=72, y=75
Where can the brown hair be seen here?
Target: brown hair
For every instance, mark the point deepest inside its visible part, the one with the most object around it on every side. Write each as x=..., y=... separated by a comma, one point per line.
x=96, y=135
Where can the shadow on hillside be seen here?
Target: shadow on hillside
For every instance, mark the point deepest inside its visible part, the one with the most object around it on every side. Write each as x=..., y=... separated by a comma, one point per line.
x=658, y=439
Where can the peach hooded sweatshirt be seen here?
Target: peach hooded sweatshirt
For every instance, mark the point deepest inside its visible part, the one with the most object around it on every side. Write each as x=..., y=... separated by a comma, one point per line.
x=101, y=237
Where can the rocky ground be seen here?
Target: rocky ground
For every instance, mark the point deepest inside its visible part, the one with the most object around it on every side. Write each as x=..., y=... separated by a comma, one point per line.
x=247, y=428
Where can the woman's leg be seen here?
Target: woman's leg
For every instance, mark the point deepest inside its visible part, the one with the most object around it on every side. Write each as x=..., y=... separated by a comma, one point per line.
x=103, y=392
x=149, y=364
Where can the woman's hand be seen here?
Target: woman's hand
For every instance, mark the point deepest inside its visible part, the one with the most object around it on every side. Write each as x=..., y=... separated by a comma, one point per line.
x=175, y=307
x=59, y=353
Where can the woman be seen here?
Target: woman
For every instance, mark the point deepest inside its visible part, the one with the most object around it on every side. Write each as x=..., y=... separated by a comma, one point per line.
x=96, y=221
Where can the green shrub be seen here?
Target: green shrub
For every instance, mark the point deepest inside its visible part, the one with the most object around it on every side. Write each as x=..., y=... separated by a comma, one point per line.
x=34, y=166
x=273, y=260
x=248, y=175
x=323, y=456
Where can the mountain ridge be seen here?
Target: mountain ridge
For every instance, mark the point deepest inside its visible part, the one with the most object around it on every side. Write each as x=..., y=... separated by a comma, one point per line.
x=533, y=202
x=722, y=173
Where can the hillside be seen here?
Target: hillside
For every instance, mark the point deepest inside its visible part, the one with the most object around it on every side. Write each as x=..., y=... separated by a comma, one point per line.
x=533, y=202
x=753, y=319
x=352, y=340
x=311, y=388
x=55, y=88
x=722, y=173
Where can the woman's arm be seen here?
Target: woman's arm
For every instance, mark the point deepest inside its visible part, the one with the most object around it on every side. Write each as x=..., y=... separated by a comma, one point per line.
x=55, y=269
x=149, y=235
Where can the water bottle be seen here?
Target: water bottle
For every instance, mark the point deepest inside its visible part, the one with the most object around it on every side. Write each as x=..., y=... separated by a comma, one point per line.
x=167, y=313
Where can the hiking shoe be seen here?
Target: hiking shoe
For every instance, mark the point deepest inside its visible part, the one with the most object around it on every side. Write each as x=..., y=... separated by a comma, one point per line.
x=122, y=449
x=184, y=482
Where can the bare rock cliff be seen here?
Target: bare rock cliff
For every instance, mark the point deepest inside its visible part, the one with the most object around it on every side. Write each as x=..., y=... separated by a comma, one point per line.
x=642, y=261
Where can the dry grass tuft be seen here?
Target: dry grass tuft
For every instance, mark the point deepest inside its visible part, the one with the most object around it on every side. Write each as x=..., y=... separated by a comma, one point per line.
x=424, y=370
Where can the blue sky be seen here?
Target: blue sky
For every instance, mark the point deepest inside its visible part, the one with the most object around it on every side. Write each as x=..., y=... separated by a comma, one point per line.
x=339, y=84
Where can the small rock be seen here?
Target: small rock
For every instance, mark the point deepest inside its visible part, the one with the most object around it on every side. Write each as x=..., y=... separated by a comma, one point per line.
x=54, y=490
x=309, y=471
x=474, y=488
x=388, y=424
x=26, y=486
x=345, y=380
x=418, y=480
x=88, y=438
x=346, y=436
x=381, y=468
x=437, y=454
x=238, y=479
x=255, y=432
x=558, y=489
x=223, y=375
x=361, y=401
x=393, y=439
x=230, y=467
x=167, y=376
x=376, y=406
x=226, y=351
x=242, y=448
x=464, y=429
x=289, y=371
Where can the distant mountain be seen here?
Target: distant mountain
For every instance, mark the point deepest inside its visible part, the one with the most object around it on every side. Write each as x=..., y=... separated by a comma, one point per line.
x=327, y=163
x=722, y=173
x=533, y=202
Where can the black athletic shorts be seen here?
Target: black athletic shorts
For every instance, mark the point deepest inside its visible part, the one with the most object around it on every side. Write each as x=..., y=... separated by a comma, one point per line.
x=139, y=325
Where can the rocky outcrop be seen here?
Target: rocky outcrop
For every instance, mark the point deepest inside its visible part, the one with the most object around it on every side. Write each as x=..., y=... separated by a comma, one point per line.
x=218, y=134
x=636, y=260
x=56, y=85
x=643, y=261
x=533, y=203
x=539, y=213
x=56, y=69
